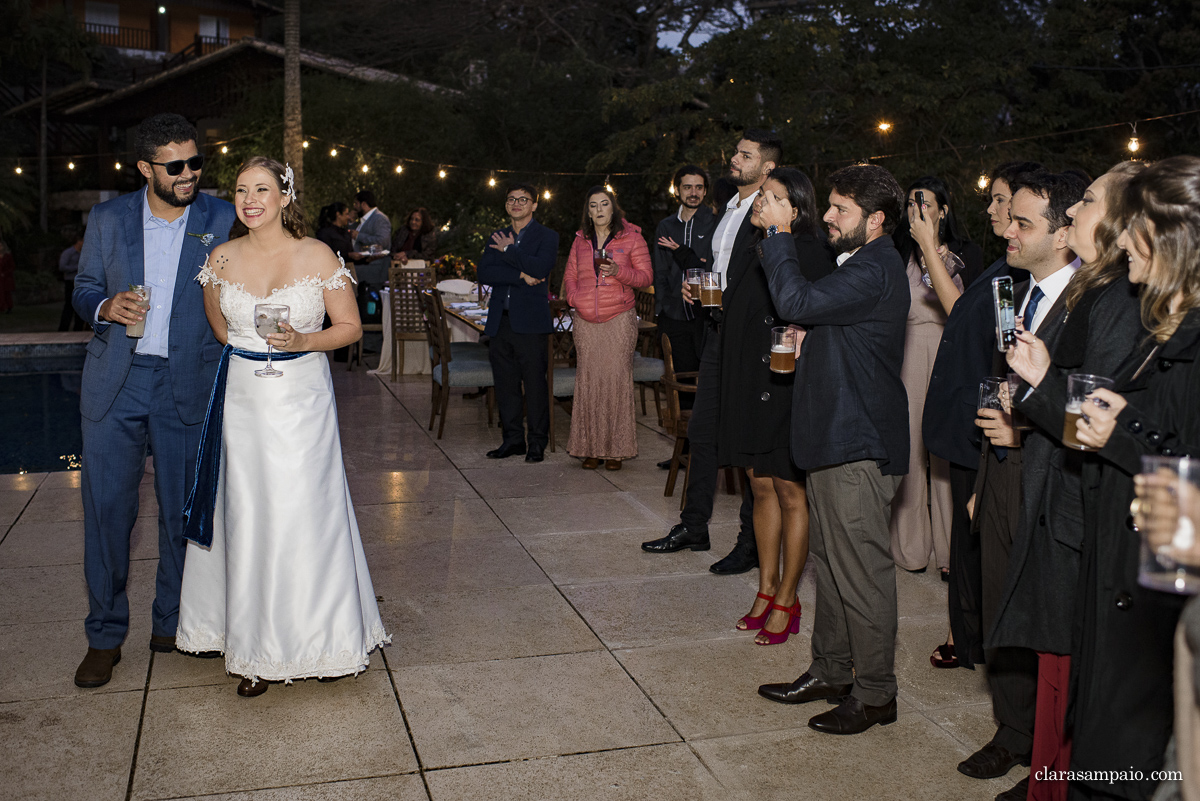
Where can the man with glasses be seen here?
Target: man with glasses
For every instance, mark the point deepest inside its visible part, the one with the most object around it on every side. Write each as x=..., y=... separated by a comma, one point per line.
x=147, y=392
x=516, y=264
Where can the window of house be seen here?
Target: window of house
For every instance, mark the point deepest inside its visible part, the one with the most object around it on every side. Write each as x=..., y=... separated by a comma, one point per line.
x=101, y=13
x=214, y=27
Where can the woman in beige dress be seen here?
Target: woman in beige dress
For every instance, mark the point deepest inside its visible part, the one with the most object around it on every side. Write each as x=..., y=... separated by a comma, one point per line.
x=921, y=523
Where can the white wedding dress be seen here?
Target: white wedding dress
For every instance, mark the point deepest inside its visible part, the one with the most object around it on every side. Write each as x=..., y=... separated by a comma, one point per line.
x=284, y=590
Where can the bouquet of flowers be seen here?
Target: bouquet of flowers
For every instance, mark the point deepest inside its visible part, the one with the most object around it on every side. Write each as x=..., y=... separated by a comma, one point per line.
x=451, y=266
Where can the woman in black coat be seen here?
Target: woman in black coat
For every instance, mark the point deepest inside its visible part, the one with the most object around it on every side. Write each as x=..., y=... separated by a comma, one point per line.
x=1121, y=689
x=755, y=414
x=332, y=229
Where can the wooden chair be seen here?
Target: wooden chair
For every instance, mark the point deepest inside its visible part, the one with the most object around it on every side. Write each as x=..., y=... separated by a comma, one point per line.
x=405, y=315
x=675, y=419
x=356, y=348
x=647, y=367
x=560, y=362
x=449, y=372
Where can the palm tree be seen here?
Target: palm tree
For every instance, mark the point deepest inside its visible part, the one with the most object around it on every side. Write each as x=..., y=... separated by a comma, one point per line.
x=293, y=129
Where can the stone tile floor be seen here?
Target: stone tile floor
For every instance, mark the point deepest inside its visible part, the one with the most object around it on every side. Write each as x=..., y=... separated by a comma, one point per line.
x=538, y=652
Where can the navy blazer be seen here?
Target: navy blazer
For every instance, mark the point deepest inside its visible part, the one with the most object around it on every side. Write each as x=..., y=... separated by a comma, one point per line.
x=113, y=258
x=849, y=403
x=528, y=306
x=964, y=359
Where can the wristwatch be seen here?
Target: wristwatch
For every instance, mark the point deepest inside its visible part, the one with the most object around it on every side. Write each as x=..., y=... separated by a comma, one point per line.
x=771, y=231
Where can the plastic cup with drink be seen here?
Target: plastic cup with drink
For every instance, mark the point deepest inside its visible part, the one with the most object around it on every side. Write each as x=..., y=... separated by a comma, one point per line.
x=138, y=329
x=1164, y=512
x=783, y=350
x=1079, y=386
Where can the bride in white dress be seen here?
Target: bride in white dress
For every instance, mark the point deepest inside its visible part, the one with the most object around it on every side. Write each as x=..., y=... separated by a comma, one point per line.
x=283, y=591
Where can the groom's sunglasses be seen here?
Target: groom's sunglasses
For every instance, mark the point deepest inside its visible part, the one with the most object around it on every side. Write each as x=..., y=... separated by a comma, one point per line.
x=195, y=164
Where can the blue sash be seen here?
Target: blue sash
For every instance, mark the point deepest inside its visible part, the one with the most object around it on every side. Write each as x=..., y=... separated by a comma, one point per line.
x=198, y=511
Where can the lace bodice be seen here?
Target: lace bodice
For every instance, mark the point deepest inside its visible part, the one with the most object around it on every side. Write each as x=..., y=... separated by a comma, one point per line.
x=304, y=297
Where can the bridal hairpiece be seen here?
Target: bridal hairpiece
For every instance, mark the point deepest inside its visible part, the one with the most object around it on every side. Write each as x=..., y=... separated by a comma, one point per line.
x=289, y=181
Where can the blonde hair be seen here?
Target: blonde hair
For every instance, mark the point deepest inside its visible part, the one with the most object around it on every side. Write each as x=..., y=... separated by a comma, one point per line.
x=1162, y=205
x=1110, y=263
x=292, y=217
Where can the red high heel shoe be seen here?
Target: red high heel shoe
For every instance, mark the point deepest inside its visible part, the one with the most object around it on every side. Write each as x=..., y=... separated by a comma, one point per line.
x=793, y=626
x=755, y=622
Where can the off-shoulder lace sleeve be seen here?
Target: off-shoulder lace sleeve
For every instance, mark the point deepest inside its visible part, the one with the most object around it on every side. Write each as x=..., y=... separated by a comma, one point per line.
x=337, y=280
x=208, y=275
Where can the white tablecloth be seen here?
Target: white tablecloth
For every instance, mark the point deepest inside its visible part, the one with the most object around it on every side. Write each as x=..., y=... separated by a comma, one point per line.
x=416, y=352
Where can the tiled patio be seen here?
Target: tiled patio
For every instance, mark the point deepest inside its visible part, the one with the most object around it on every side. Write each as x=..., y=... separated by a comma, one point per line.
x=538, y=652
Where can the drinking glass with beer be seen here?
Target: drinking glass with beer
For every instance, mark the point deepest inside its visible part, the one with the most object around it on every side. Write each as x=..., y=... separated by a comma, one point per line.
x=1079, y=386
x=710, y=289
x=695, y=277
x=783, y=350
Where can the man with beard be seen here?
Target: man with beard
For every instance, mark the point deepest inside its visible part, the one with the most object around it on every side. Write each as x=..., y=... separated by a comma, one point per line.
x=684, y=241
x=756, y=155
x=149, y=391
x=850, y=433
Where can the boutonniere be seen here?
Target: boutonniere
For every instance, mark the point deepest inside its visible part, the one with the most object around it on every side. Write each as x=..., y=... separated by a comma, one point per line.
x=205, y=239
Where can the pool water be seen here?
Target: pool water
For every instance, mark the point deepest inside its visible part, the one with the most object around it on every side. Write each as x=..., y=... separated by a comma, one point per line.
x=39, y=421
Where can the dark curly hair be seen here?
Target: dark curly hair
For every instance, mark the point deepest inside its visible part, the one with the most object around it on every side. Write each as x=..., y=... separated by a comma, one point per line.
x=873, y=189
x=159, y=131
x=292, y=217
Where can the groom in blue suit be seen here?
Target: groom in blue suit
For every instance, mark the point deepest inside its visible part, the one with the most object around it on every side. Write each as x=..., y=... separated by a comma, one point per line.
x=147, y=393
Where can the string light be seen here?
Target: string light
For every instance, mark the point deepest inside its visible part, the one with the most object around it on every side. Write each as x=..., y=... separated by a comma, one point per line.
x=70, y=165
x=117, y=166
x=304, y=145
x=884, y=127
x=333, y=152
x=492, y=181
x=546, y=194
x=983, y=181
x=1134, y=145
x=441, y=173
x=399, y=169
x=19, y=171
x=365, y=169
x=671, y=190
x=224, y=149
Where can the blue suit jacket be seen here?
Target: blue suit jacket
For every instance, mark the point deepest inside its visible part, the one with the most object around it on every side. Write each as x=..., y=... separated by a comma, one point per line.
x=528, y=306
x=111, y=260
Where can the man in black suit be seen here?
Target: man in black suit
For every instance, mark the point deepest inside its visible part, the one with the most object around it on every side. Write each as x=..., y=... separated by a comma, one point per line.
x=1037, y=237
x=850, y=433
x=756, y=155
x=516, y=265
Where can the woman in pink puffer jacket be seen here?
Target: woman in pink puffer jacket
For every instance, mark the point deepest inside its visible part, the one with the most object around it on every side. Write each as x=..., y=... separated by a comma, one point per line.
x=605, y=328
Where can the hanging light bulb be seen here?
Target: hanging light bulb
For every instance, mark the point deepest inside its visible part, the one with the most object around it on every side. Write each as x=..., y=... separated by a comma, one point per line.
x=441, y=173
x=365, y=169
x=399, y=169
x=983, y=181
x=1134, y=145
x=884, y=127
x=608, y=188
x=304, y=145
x=19, y=171
x=333, y=152
x=671, y=190
x=117, y=166
x=70, y=165
x=224, y=149
x=492, y=181
x=546, y=194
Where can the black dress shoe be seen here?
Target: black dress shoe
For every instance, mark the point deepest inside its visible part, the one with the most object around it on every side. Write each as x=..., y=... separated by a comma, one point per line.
x=505, y=451
x=677, y=539
x=665, y=464
x=535, y=454
x=804, y=689
x=739, y=560
x=1019, y=791
x=162, y=645
x=990, y=762
x=852, y=716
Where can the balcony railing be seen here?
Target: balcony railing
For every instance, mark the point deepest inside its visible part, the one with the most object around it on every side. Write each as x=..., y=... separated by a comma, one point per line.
x=116, y=36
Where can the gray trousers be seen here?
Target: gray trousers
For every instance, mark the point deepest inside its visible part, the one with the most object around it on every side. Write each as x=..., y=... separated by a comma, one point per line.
x=854, y=627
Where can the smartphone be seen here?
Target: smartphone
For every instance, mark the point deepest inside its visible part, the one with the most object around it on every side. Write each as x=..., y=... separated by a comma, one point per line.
x=920, y=204
x=1006, y=313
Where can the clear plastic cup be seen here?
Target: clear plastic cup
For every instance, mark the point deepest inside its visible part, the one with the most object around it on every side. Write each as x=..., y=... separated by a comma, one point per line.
x=1165, y=511
x=138, y=329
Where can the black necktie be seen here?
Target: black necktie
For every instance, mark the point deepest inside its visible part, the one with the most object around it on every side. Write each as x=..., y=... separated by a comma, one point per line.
x=1035, y=297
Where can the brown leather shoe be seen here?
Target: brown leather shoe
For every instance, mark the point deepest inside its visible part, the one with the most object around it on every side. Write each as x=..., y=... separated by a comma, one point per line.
x=96, y=668
x=612, y=464
x=162, y=645
x=590, y=463
x=252, y=689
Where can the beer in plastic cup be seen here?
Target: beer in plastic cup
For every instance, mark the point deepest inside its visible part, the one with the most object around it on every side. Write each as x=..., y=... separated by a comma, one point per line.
x=1078, y=387
x=783, y=350
x=694, y=279
x=710, y=289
